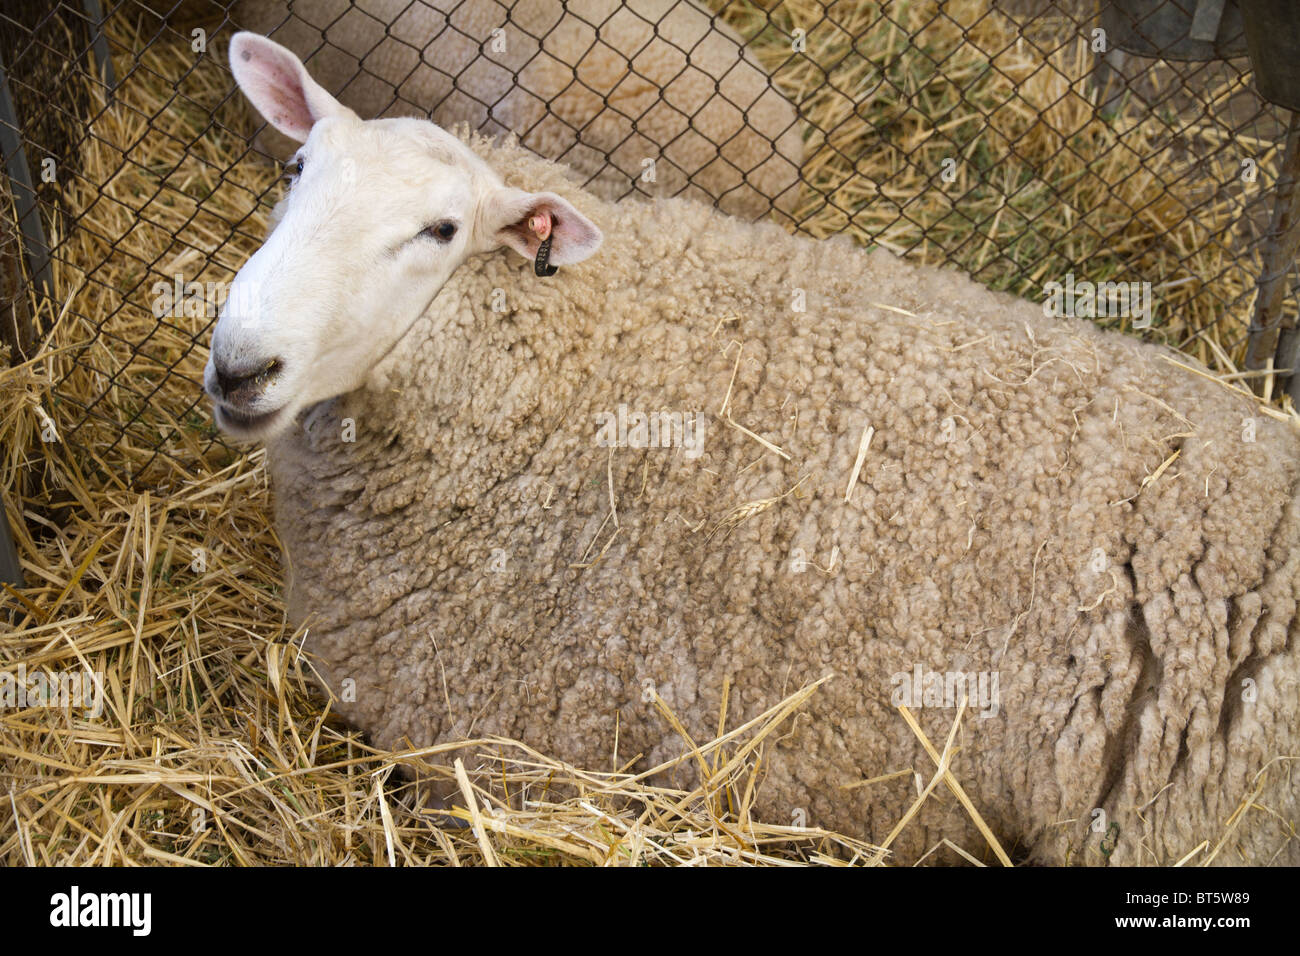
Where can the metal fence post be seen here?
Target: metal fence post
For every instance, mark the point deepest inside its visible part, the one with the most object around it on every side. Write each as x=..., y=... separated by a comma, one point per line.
x=30, y=227
x=11, y=572
x=1277, y=260
x=100, y=43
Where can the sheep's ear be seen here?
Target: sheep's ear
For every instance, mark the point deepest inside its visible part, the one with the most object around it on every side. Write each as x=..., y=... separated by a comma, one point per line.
x=509, y=211
x=279, y=86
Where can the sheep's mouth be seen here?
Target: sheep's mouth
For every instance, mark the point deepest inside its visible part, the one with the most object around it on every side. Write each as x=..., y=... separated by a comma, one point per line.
x=245, y=424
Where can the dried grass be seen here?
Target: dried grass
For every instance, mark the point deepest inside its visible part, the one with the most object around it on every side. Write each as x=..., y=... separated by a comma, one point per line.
x=1043, y=184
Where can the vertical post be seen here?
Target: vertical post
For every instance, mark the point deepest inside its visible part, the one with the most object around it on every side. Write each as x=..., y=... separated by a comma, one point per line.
x=1109, y=80
x=100, y=43
x=11, y=571
x=1278, y=258
x=1206, y=19
x=25, y=204
x=37, y=250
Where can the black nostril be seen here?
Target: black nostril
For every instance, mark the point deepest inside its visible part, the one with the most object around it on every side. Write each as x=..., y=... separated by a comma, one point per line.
x=230, y=380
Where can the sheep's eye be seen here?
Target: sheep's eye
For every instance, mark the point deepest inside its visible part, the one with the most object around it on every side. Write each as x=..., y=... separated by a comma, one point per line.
x=293, y=168
x=442, y=231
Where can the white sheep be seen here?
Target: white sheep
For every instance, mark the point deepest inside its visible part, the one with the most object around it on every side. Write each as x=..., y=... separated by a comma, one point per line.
x=899, y=479
x=650, y=97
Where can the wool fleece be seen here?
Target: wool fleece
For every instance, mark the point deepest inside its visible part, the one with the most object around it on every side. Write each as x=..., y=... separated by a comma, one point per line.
x=485, y=540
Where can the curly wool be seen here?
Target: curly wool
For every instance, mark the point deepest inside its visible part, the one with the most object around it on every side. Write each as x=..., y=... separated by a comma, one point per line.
x=459, y=562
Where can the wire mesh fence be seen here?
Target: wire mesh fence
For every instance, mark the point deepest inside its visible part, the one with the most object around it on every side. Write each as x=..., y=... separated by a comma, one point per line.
x=1041, y=146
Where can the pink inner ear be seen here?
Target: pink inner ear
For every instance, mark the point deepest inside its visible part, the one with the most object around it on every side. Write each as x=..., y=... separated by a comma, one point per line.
x=531, y=219
x=290, y=107
x=273, y=83
x=573, y=237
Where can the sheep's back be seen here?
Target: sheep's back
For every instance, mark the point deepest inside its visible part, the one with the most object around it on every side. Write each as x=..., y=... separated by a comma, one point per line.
x=1065, y=509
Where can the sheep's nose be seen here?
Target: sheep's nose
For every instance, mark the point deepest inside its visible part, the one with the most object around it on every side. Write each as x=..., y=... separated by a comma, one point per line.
x=241, y=385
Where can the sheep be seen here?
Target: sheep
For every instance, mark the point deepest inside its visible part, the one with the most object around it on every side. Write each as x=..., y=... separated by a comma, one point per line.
x=896, y=476
x=714, y=126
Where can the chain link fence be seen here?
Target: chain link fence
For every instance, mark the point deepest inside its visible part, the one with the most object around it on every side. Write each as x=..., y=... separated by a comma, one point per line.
x=1039, y=146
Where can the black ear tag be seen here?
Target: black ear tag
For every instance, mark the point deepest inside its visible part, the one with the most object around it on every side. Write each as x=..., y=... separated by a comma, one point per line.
x=542, y=265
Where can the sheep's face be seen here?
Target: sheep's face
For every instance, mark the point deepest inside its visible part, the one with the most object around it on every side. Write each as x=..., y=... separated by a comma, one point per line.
x=378, y=216
x=353, y=260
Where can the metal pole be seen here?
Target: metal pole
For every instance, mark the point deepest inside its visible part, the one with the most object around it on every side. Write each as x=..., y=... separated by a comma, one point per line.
x=1205, y=20
x=11, y=572
x=100, y=42
x=1278, y=258
x=26, y=206
x=1110, y=82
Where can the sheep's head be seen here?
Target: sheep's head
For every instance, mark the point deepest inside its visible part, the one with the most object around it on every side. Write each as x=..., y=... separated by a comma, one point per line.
x=378, y=216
